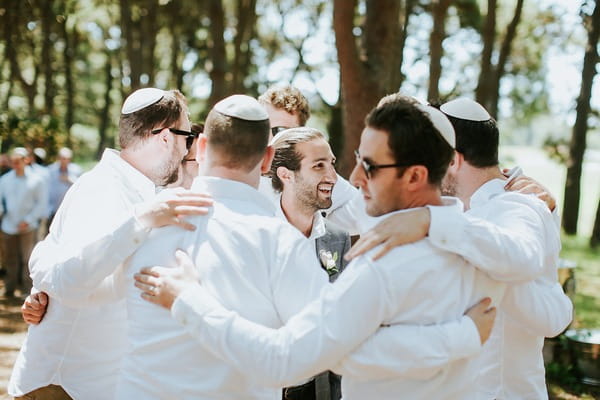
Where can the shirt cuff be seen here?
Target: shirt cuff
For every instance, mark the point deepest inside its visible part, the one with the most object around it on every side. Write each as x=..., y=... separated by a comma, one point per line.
x=465, y=341
x=445, y=225
x=192, y=305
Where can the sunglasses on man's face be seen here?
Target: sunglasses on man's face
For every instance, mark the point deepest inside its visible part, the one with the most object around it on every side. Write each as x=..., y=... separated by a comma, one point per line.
x=190, y=136
x=371, y=168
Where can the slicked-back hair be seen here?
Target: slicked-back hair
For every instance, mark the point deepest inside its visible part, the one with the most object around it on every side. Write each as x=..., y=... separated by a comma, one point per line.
x=137, y=126
x=286, y=155
x=412, y=138
x=477, y=141
x=240, y=143
x=287, y=98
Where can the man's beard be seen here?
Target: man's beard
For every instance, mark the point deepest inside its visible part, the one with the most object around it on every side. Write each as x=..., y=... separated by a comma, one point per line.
x=309, y=197
x=170, y=170
x=449, y=186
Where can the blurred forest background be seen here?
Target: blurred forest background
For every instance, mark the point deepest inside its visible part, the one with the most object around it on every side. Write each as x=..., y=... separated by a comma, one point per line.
x=66, y=66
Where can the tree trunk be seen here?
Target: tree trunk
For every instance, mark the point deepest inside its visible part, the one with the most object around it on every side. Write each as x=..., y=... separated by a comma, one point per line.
x=47, y=20
x=578, y=137
x=439, y=10
x=105, y=113
x=217, y=52
x=595, y=239
x=511, y=32
x=482, y=93
x=246, y=22
x=367, y=73
x=68, y=56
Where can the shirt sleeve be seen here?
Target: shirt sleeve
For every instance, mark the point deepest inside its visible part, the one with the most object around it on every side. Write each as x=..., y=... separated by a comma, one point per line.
x=540, y=307
x=509, y=246
x=310, y=342
x=411, y=351
x=92, y=237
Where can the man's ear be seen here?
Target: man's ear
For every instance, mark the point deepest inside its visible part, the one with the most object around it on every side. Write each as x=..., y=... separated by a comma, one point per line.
x=265, y=166
x=201, y=148
x=163, y=136
x=284, y=174
x=456, y=162
x=415, y=177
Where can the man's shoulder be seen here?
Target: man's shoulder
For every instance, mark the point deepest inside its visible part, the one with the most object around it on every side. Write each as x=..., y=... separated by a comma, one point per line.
x=513, y=201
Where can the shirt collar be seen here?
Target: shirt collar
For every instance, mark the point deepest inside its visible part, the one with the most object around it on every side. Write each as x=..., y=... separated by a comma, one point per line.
x=140, y=182
x=486, y=191
x=318, y=228
x=229, y=189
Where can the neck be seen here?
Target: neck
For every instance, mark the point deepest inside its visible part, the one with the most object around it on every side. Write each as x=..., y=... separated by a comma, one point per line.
x=472, y=178
x=300, y=217
x=431, y=196
x=20, y=172
x=138, y=158
x=211, y=167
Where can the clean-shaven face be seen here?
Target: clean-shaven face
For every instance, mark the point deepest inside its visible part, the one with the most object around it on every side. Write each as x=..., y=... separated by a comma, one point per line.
x=383, y=191
x=313, y=182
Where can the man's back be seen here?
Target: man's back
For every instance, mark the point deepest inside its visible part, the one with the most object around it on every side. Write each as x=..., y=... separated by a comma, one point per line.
x=251, y=261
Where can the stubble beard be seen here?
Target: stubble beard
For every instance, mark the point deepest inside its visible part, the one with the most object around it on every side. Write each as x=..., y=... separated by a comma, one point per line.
x=449, y=186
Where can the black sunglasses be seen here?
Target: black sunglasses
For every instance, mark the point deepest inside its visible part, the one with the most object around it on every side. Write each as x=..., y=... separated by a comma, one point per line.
x=371, y=168
x=276, y=129
x=190, y=136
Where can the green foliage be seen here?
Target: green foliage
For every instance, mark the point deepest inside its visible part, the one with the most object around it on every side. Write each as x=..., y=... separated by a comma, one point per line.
x=43, y=132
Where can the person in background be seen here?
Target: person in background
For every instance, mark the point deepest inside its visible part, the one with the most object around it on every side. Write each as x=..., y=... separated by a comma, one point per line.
x=23, y=203
x=36, y=163
x=63, y=173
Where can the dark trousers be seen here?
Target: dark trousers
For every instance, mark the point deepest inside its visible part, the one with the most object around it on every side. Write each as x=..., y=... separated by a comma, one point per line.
x=50, y=392
x=17, y=249
x=325, y=386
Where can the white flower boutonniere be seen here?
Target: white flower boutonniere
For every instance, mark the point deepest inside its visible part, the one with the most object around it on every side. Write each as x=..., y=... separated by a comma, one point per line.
x=328, y=260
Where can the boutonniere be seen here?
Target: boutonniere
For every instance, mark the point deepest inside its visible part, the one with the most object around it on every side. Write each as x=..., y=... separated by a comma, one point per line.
x=328, y=260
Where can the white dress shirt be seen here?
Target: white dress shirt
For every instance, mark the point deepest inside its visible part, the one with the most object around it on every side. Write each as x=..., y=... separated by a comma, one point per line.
x=403, y=287
x=23, y=200
x=249, y=259
x=81, y=340
x=524, y=245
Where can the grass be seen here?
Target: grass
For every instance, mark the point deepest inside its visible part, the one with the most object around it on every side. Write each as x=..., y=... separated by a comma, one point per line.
x=563, y=375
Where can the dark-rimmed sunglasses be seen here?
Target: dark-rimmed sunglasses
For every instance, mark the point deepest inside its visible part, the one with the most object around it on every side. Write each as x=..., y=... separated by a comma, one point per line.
x=371, y=168
x=190, y=136
x=276, y=129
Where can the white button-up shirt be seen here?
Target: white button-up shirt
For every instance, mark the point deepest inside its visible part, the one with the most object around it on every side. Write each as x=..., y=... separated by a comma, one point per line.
x=23, y=199
x=80, y=343
x=249, y=259
x=403, y=287
x=522, y=244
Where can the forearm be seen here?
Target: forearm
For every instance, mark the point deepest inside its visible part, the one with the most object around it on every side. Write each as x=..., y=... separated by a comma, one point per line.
x=72, y=271
x=510, y=250
x=541, y=308
x=411, y=351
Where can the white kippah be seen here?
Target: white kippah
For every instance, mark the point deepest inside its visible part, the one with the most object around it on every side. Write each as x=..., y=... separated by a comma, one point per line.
x=440, y=122
x=141, y=98
x=242, y=107
x=467, y=109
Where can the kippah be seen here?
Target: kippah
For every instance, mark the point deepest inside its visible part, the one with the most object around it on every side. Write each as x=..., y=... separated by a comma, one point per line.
x=467, y=109
x=41, y=153
x=242, y=107
x=19, y=152
x=141, y=98
x=440, y=122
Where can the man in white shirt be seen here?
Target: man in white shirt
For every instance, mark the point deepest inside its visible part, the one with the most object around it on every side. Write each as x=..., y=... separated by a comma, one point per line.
x=404, y=153
x=303, y=172
x=105, y=216
x=512, y=362
x=22, y=205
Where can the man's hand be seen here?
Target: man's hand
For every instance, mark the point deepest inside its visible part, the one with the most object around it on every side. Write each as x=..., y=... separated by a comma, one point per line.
x=526, y=185
x=23, y=226
x=34, y=307
x=171, y=206
x=483, y=316
x=396, y=230
x=162, y=285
